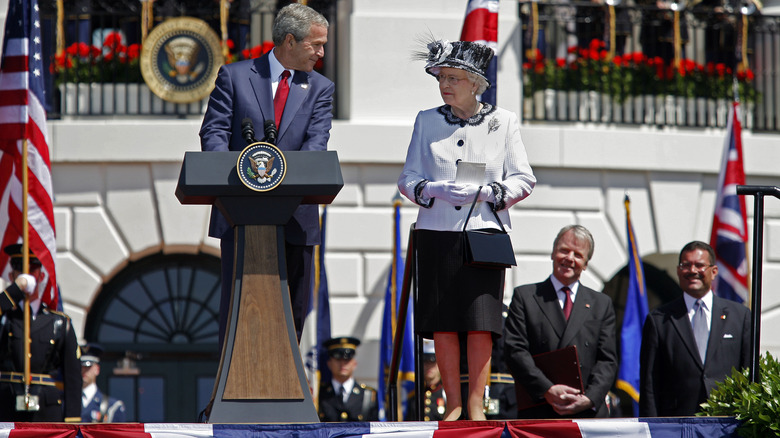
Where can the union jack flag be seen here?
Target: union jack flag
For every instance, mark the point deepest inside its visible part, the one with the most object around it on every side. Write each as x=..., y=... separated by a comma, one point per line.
x=729, y=226
x=23, y=125
x=481, y=26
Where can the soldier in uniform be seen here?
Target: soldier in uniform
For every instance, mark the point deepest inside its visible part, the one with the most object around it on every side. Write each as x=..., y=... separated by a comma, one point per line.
x=54, y=353
x=342, y=398
x=95, y=406
x=434, y=400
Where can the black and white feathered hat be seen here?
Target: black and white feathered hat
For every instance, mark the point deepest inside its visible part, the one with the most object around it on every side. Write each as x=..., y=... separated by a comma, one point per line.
x=465, y=55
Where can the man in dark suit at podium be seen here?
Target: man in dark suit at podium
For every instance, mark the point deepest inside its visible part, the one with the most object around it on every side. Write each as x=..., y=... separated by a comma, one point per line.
x=557, y=313
x=258, y=89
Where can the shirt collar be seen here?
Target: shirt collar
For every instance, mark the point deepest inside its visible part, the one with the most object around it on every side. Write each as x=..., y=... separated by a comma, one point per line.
x=706, y=299
x=558, y=285
x=348, y=385
x=276, y=68
x=88, y=393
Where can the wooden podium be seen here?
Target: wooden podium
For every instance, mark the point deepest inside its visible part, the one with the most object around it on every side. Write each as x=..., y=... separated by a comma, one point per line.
x=261, y=378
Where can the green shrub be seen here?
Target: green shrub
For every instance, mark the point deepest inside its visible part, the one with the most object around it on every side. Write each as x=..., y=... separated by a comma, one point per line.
x=757, y=405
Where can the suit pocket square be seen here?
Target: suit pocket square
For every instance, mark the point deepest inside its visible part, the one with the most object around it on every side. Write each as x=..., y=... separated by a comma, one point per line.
x=728, y=336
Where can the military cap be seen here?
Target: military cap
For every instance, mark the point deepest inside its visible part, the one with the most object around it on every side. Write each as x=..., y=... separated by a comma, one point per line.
x=90, y=354
x=15, y=253
x=429, y=352
x=342, y=348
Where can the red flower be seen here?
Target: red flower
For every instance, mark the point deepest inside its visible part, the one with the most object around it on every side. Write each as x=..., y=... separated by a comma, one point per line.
x=596, y=44
x=526, y=65
x=230, y=44
x=561, y=62
x=113, y=40
x=133, y=51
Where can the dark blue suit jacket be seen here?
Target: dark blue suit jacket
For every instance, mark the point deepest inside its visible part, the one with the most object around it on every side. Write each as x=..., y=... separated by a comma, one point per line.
x=243, y=89
x=673, y=380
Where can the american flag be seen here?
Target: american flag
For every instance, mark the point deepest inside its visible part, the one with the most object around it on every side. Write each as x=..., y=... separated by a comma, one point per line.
x=481, y=26
x=729, y=226
x=23, y=120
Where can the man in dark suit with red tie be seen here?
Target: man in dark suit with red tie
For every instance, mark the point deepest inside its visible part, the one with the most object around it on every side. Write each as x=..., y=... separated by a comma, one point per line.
x=282, y=87
x=691, y=343
x=557, y=313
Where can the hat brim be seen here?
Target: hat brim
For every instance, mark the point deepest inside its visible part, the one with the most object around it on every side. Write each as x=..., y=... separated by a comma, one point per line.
x=434, y=69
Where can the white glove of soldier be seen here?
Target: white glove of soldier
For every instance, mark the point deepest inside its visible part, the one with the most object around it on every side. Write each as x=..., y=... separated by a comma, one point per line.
x=449, y=191
x=27, y=283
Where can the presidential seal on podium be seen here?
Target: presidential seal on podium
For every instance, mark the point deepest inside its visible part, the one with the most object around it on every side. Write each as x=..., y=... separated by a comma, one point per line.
x=261, y=166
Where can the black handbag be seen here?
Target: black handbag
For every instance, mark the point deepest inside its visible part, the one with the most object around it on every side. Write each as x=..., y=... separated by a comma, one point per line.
x=489, y=247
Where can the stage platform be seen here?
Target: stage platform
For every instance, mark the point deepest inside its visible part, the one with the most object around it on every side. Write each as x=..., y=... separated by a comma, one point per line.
x=688, y=427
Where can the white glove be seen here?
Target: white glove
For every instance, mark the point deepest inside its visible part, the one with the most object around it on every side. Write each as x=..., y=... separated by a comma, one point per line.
x=486, y=194
x=471, y=192
x=448, y=191
x=29, y=283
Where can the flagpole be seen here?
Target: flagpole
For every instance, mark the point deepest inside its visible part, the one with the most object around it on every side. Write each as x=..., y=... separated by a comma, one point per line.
x=26, y=270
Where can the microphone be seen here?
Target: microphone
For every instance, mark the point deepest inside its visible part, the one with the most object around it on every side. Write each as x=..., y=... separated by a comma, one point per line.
x=248, y=130
x=269, y=127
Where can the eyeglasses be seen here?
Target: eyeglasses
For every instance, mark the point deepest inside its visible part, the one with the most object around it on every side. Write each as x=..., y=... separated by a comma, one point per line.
x=451, y=80
x=688, y=266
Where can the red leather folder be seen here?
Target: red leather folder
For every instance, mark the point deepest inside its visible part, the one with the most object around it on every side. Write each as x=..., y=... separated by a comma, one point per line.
x=560, y=366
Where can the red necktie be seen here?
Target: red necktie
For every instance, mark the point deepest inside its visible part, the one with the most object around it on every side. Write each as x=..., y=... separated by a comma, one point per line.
x=568, y=303
x=282, y=90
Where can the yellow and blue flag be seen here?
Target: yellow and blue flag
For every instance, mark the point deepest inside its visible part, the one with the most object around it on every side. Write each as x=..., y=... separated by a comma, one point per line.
x=633, y=318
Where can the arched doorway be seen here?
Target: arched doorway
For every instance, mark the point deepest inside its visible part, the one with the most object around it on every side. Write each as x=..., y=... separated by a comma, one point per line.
x=160, y=312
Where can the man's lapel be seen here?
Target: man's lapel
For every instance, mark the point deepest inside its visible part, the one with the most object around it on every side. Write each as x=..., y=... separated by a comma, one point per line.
x=260, y=80
x=547, y=300
x=682, y=324
x=717, y=328
x=580, y=312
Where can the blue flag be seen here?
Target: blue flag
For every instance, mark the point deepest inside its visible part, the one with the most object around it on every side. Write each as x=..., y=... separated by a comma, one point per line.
x=389, y=323
x=633, y=318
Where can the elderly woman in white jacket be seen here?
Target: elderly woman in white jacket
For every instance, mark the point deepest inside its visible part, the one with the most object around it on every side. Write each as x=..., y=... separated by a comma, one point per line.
x=454, y=298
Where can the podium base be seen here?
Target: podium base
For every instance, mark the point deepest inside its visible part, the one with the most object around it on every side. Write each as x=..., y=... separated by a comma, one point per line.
x=261, y=378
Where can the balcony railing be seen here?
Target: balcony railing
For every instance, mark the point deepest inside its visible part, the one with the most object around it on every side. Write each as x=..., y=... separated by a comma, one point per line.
x=97, y=77
x=648, y=78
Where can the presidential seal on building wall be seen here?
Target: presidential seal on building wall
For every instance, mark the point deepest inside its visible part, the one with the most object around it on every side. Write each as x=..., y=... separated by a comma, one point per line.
x=261, y=166
x=180, y=59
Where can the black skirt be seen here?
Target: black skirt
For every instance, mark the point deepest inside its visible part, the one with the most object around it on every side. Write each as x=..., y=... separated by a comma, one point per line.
x=453, y=297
